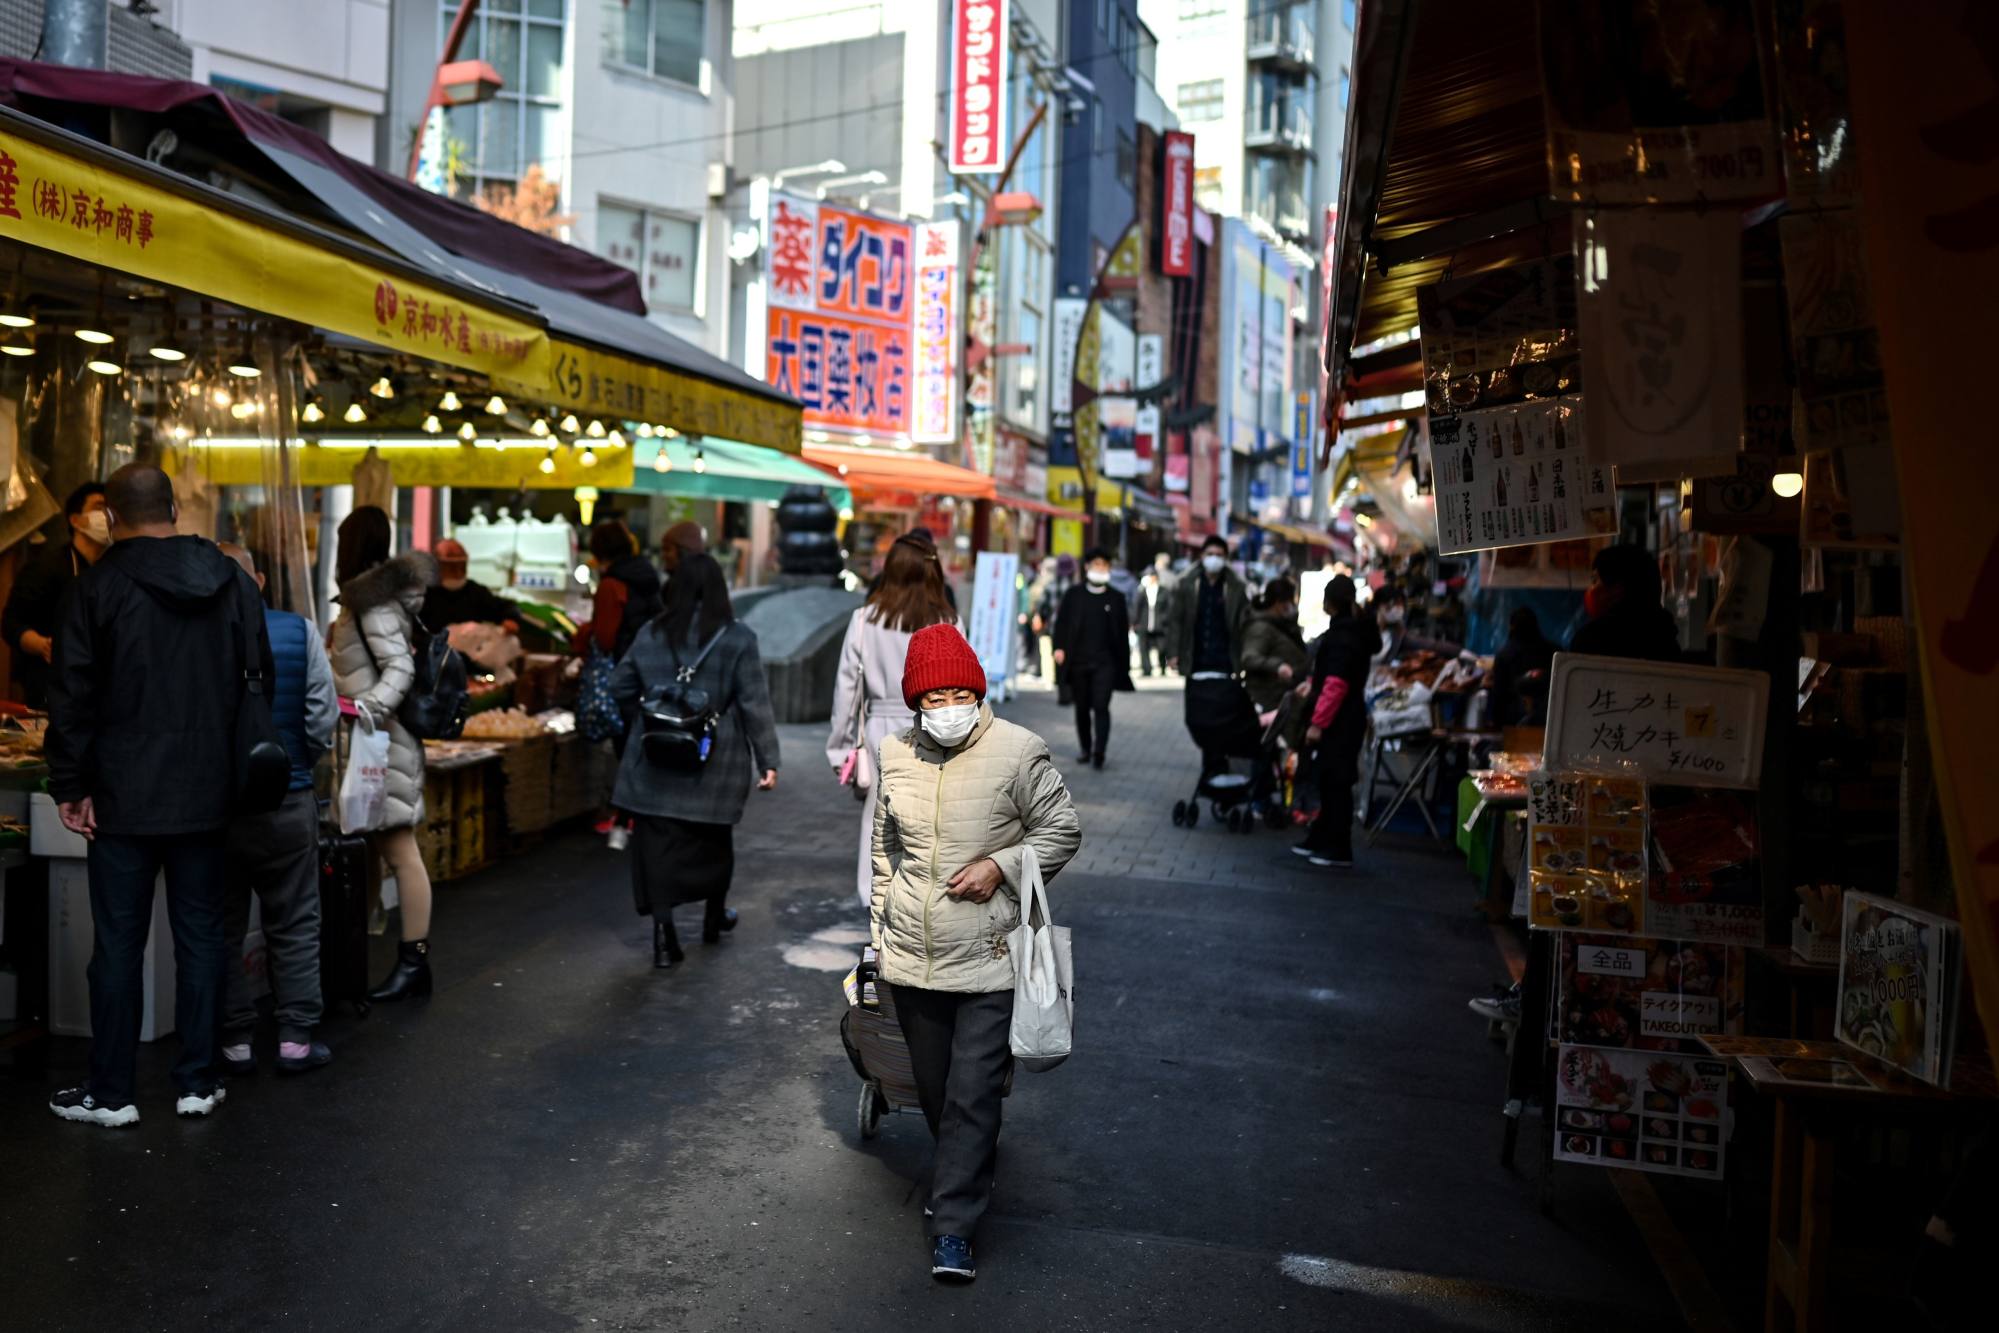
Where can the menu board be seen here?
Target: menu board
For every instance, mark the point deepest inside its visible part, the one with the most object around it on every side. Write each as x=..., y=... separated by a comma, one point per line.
x=1640, y=1109
x=1704, y=871
x=1687, y=725
x=1898, y=985
x=1586, y=853
x=1516, y=476
x=1636, y=993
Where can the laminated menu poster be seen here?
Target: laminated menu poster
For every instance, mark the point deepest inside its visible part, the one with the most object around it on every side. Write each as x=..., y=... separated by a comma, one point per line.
x=1640, y=1109
x=1898, y=985
x=1586, y=853
x=1636, y=993
x=1515, y=476
x=1704, y=868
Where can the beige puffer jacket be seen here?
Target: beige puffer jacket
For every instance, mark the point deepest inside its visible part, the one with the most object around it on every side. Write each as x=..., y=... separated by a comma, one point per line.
x=938, y=811
x=374, y=665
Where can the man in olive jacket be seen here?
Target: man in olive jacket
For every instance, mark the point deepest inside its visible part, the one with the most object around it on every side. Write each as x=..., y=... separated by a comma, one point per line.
x=1210, y=609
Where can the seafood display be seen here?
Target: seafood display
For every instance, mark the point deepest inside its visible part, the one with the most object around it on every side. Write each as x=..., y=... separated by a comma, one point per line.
x=1898, y=985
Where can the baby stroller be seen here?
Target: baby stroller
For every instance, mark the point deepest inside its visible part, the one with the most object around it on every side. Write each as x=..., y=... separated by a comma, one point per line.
x=1222, y=721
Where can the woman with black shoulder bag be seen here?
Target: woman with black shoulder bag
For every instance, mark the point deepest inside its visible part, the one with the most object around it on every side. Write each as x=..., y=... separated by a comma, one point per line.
x=692, y=686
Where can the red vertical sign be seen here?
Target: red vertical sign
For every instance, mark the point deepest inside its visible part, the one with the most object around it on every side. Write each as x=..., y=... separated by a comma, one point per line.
x=1176, y=207
x=978, y=87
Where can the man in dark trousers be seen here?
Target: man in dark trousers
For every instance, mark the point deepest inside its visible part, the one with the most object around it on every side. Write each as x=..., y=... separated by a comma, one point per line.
x=1210, y=612
x=275, y=855
x=457, y=597
x=1093, y=650
x=34, y=608
x=141, y=747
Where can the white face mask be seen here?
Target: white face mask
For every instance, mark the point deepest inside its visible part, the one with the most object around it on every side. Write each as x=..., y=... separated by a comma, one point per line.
x=950, y=724
x=97, y=527
x=1212, y=563
x=1099, y=577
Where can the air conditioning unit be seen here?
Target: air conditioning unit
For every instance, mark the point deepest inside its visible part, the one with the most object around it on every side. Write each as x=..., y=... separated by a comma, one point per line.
x=718, y=180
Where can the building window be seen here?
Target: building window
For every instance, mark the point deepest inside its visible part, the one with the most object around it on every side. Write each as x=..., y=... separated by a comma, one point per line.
x=664, y=250
x=1200, y=101
x=1104, y=16
x=497, y=141
x=1201, y=9
x=661, y=37
x=1096, y=125
x=1127, y=161
x=1351, y=11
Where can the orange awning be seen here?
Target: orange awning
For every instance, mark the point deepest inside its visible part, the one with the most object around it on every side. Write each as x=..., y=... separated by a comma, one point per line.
x=876, y=474
x=1012, y=499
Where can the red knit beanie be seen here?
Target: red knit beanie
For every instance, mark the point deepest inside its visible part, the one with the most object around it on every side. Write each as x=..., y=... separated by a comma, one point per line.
x=940, y=659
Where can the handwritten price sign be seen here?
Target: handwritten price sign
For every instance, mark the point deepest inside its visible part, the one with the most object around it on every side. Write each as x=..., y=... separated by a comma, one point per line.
x=1685, y=725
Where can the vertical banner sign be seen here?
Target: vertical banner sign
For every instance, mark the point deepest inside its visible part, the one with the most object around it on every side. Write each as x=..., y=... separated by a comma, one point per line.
x=936, y=334
x=978, y=87
x=1068, y=333
x=1146, y=421
x=993, y=601
x=1933, y=259
x=1176, y=207
x=839, y=321
x=1301, y=448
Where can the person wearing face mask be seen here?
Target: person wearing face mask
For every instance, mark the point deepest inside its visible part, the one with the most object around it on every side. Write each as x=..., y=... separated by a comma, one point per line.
x=35, y=606
x=1210, y=611
x=1625, y=616
x=1093, y=650
x=1273, y=647
x=963, y=795
x=458, y=598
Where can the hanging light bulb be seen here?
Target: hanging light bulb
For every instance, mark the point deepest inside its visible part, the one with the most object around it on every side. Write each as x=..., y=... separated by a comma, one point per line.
x=466, y=432
x=616, y=439
x=496, y=406
x=595, y=430
x=244, y=366
x=548, y=464
x=666, y=432
x=588, y=458
x=449, y=403
x=220, y=396
x=431, y=425
x=645, y=430
x=1788, y=485
x=243, y=411
x=700, y=462
x=104, y=367
x=166, y=353
x=313, y=412
x=96, y=337
x=539, y=428
x=16, y=349
x=381, y=388
x=569, y=423
x=14, y=319
x=354, y=415
x=661, y=463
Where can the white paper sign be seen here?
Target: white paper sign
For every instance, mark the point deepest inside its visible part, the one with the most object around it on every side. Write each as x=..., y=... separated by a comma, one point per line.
x=1068, y=330
x=993, y=610
x=1515, y=476
x=1684, y=725
x=1606, y=961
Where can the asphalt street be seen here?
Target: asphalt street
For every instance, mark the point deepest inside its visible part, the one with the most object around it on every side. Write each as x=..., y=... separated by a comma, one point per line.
x=1280, y=1115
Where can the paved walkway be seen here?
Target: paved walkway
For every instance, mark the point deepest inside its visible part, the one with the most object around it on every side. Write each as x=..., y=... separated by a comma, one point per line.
x=1280, y=1117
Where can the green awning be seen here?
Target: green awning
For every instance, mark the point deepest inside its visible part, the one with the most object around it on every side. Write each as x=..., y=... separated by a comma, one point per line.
x=726, y=470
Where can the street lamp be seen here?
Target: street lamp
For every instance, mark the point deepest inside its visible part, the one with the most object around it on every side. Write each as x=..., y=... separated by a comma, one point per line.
x=455, y=83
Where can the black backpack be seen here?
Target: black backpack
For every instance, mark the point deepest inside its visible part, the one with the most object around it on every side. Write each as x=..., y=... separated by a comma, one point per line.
x=434, y=708
x=677, y=719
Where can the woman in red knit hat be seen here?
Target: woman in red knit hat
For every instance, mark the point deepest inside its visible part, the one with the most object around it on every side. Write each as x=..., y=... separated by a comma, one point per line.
x=961, y=797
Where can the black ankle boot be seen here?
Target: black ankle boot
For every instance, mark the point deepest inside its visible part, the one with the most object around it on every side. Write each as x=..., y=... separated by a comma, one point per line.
x=410, y=978
x=714, y=923
x=665, y=945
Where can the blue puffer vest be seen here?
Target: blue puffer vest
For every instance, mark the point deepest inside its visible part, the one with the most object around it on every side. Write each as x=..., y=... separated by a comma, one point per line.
x=288, y=652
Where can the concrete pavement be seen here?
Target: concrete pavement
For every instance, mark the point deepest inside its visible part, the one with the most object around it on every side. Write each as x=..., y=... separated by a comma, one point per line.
x=1280, y=1116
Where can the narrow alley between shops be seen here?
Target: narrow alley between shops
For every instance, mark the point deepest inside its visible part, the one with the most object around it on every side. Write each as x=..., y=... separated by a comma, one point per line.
x=1280, y=1116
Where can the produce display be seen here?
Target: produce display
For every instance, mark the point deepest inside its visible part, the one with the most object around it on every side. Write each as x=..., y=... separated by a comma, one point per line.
x=508, y=724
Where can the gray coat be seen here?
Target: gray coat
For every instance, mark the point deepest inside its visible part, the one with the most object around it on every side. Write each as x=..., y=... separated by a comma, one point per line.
x=745, y=738
x=374, y=664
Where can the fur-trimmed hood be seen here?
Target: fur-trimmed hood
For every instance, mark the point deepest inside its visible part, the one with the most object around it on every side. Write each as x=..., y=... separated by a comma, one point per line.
x=395, y=579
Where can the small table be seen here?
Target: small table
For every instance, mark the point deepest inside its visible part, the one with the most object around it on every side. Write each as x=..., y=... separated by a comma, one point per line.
x=1433, y=742
x=1496, y=793
x=1811, y=1082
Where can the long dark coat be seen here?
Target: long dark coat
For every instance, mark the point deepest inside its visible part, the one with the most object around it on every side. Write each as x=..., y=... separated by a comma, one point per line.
x=745, y=738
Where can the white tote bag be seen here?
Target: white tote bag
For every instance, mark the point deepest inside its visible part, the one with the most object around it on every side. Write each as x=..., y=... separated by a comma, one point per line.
x=364, y=786
x=1044, y=991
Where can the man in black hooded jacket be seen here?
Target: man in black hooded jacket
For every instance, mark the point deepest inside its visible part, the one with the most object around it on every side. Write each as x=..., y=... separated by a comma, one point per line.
x=147, y=676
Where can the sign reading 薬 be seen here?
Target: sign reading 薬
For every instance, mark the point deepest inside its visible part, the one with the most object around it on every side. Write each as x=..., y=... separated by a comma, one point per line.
x=1683, y=725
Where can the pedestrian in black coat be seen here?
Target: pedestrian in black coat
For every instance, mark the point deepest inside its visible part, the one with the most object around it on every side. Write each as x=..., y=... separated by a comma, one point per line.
x=1339, y=722
x=34, y=608
x=1625, y=617
x=1093, y=652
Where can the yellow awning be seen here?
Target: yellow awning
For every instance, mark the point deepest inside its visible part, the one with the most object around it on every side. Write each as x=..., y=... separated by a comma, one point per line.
x=607, y=384
x=488, y=467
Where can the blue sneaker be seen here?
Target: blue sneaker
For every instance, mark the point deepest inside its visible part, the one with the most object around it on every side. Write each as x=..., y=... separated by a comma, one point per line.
x=951, y=1259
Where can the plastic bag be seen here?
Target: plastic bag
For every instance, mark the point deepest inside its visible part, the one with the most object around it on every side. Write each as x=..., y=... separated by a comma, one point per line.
x=364, y=785
x=1044, y=991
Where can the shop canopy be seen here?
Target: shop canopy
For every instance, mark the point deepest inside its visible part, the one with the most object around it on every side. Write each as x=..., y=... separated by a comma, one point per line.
x=727, y=470
x=487, y=465
x=896, y=479
x=437, y=279
x=1297, y=536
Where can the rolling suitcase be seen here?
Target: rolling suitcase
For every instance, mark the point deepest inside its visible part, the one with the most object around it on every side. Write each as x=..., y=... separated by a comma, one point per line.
x=343, y=919
x=875, y=1047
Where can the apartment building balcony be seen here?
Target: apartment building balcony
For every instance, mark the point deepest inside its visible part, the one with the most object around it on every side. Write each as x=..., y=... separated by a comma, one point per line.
x=1280, y=125
x=1284, y=37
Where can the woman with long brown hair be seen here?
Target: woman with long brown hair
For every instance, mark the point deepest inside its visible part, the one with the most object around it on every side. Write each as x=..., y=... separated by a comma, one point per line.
x=867, y=695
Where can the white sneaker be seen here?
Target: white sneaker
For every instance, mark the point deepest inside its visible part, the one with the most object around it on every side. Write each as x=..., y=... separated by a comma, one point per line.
x=200, y=1103
x=619, y=838
x=78, y=1105
x=1334, y=862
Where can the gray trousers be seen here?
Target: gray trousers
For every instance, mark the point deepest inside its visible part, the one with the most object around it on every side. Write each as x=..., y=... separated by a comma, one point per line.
x=276, y=856
x=959, y=1053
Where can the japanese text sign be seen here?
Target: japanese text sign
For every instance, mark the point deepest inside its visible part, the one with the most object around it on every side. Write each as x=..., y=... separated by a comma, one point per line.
x=1515, y=476
x=935, y=338
x=1687, y=725
x=1640, y=1109
x=1176, y=207
x=841, y=300
x=978, y=87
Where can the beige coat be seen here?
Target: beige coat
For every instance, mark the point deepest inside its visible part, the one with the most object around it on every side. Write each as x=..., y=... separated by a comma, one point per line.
x=374, y=664
x=938, y=811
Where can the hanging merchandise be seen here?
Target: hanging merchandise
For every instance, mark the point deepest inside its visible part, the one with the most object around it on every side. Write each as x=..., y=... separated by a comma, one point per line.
x=1661, y=314
x=1652, y=104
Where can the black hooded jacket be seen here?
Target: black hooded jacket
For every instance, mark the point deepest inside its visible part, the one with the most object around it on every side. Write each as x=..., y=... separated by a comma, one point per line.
x=145, y=684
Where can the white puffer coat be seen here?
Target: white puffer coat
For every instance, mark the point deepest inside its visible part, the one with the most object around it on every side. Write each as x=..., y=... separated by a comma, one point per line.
x=374, y=664
x=940, y=810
